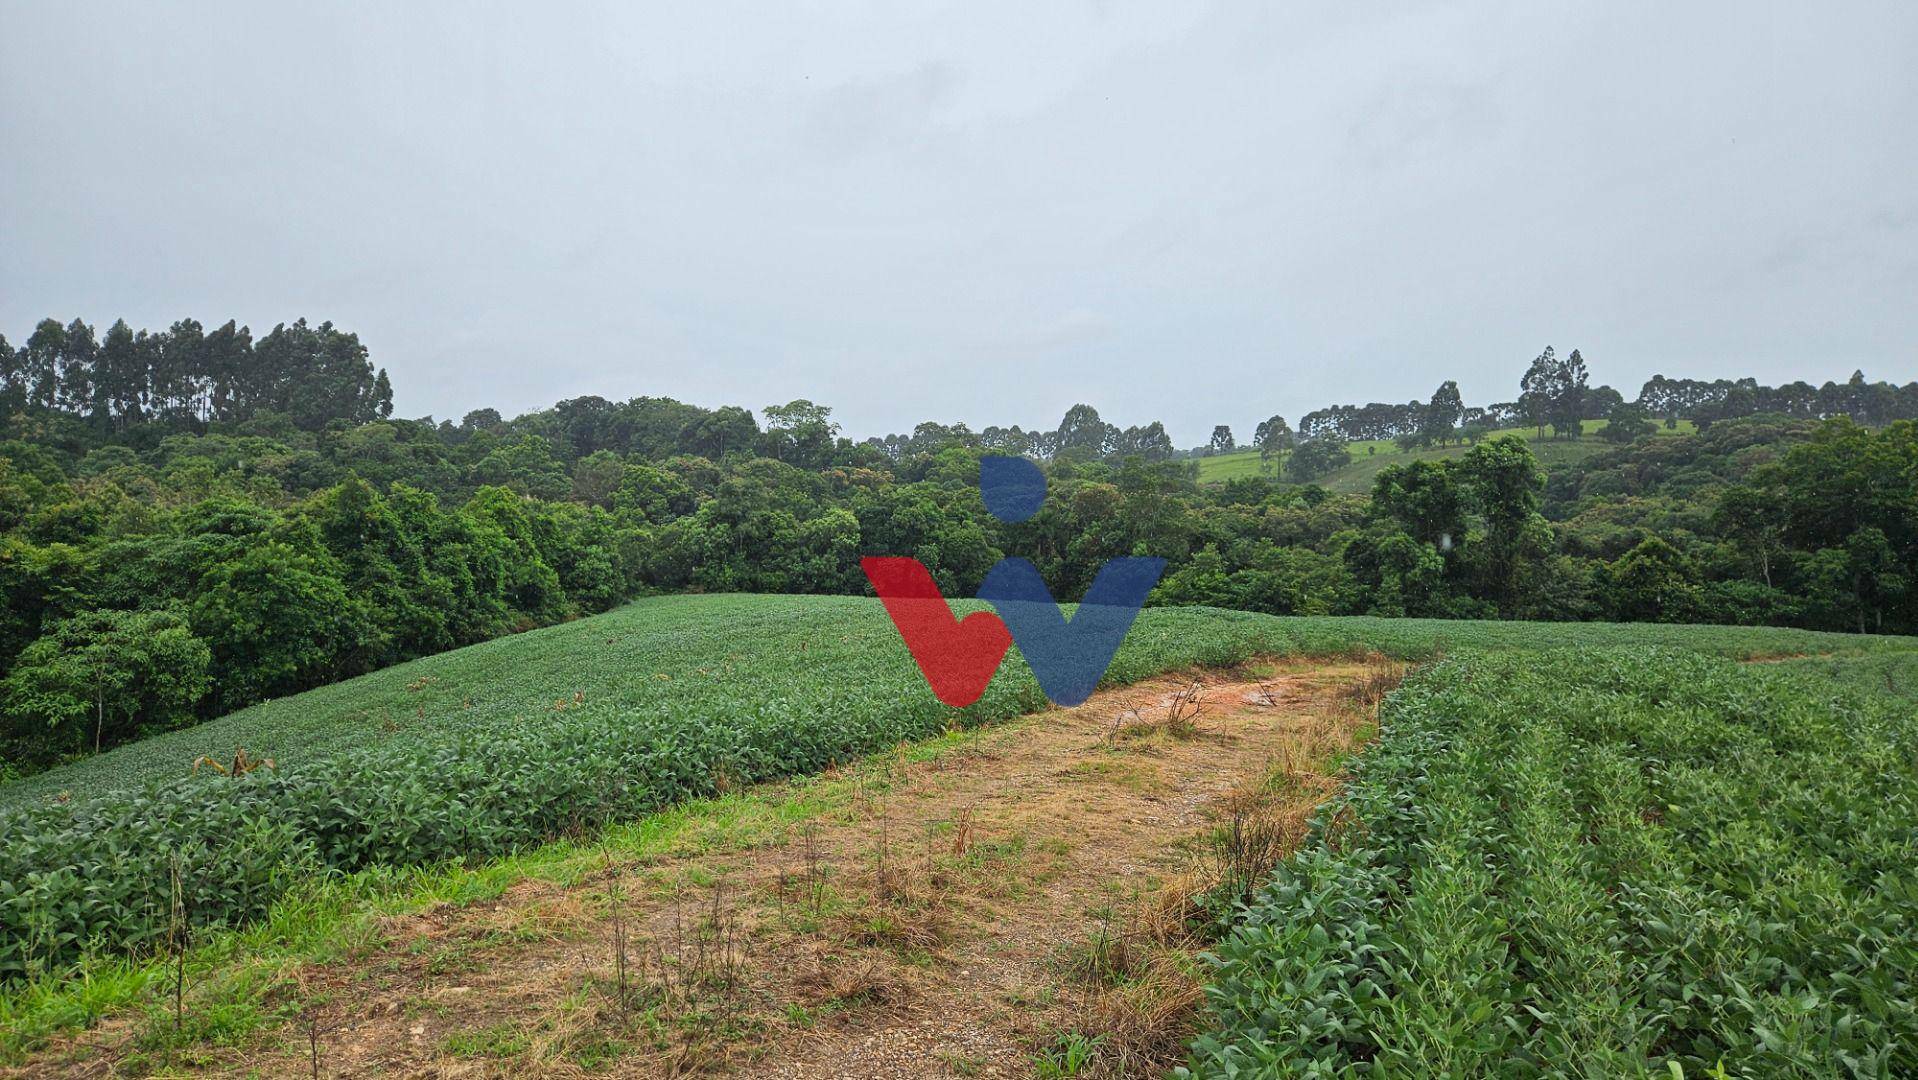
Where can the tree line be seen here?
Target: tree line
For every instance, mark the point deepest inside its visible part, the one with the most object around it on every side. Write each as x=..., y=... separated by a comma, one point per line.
x=310, y=374
x=1555, y=392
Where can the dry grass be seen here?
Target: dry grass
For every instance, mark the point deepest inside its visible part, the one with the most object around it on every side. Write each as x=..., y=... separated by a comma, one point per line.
x=1141, y=990
x=1176, y=717
x=1139, y=976
x=823, y=979
x=1363, y=695
x=1258, y=835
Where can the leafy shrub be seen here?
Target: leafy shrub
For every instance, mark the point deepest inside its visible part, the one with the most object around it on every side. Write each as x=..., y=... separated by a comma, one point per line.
x=131, y=670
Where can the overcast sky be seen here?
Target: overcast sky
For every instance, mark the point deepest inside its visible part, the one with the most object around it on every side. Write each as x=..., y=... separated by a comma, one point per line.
x=974, y=211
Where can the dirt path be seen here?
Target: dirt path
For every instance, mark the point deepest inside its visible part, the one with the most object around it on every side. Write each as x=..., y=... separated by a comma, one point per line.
x=1027, y=893
x=1109, y=819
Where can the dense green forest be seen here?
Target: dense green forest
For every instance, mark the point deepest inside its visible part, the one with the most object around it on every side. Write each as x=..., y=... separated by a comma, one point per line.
x=196, y=521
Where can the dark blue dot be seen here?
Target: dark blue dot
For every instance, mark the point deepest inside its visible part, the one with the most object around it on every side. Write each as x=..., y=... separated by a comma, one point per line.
x=1013, y=487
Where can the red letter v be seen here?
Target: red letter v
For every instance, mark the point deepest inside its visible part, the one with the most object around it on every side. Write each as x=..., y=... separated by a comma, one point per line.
x=958, y=656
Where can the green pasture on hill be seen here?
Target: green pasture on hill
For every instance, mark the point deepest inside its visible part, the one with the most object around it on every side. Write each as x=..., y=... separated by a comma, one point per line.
x=727, y=655
x=1371, y=455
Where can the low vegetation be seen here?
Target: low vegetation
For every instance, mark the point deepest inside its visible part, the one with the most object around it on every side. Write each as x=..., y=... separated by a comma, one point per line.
x=1620, y=862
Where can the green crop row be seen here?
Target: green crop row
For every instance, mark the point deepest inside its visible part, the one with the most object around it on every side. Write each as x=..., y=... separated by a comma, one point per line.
x=1616, y=862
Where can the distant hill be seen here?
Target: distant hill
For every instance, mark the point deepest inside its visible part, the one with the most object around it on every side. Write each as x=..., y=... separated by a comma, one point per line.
x=1370, y=456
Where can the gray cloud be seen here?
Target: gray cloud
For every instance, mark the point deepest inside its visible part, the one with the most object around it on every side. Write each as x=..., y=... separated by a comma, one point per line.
x=979, y=212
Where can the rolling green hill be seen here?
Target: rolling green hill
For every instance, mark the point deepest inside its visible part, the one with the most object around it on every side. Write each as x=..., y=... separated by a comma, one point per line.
x=729, y=655
x=721, y=658
x=1370, y=456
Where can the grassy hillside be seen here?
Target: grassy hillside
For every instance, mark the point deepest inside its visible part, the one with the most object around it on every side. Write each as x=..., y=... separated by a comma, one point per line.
x=726, y=656
x=722, y=658
x=1369, y=456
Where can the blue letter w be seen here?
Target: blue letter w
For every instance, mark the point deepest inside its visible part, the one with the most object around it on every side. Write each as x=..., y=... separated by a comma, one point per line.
x=1070, y=658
